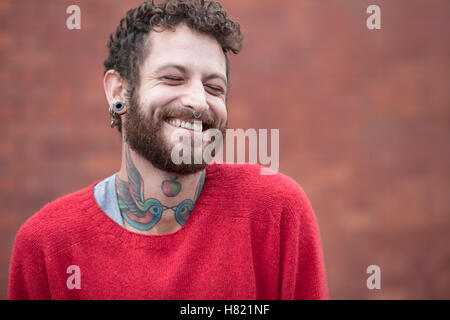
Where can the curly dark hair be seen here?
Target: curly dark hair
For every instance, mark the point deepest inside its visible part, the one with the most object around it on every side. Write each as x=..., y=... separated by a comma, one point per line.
x=127, y=46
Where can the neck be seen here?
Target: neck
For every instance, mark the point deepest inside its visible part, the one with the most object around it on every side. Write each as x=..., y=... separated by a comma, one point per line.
x=153, y=201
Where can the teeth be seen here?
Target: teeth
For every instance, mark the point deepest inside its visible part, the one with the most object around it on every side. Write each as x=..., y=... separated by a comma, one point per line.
x=196, y=126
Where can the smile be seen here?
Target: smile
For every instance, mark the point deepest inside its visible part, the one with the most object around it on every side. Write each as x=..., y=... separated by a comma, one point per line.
x=196, y=126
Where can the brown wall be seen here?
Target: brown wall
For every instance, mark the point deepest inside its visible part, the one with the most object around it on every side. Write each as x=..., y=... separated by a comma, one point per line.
x=363, y=116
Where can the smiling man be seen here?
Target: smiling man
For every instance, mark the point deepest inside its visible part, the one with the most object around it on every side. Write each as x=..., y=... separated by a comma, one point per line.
x=161, y=230
x=183, y=73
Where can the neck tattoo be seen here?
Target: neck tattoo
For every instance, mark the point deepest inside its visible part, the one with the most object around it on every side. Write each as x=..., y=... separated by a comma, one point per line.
x=143, y=214
x=171, y=187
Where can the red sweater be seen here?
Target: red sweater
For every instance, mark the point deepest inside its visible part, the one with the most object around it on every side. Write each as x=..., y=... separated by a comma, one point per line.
x=250, y=236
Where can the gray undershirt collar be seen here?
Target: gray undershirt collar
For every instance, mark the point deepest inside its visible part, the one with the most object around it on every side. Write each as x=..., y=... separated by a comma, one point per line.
x=106, y=197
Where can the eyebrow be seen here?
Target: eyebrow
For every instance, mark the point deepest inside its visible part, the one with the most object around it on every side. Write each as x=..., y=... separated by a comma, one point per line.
x=182, y=69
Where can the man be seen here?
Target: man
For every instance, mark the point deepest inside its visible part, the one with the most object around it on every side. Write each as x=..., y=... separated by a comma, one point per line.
x=160, y=230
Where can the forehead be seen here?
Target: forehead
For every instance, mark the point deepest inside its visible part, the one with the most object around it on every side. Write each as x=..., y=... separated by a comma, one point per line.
x=183, y=46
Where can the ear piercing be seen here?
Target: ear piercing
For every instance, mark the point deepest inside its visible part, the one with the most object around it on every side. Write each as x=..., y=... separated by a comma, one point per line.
x=118, y=107
x=115, y=111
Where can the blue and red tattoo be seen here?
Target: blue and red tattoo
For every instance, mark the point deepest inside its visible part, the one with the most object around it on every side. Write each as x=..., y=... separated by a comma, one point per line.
x=143, y=214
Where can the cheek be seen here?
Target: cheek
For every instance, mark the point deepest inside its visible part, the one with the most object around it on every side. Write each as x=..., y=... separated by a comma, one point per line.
x=155, y=98
x=218, y=107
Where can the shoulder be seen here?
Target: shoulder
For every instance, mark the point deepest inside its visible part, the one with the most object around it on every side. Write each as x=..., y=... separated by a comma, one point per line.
x=254, y=177
x=58, y=224
x=276, y=191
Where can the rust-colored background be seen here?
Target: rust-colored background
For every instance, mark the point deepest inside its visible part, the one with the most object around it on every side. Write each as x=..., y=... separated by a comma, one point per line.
x=363, y=116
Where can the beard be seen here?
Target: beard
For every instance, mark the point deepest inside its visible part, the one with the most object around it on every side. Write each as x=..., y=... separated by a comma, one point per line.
x=143, y=133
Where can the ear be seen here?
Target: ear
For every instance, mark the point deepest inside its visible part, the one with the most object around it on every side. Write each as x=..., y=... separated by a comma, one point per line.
x=115, y=88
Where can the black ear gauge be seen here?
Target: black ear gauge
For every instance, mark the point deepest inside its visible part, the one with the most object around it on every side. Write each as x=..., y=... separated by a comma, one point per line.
x=115, y=111
x=118, y=107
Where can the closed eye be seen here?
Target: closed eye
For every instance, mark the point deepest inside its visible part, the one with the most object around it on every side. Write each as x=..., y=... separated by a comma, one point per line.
x=172, y=79
x=215, y=90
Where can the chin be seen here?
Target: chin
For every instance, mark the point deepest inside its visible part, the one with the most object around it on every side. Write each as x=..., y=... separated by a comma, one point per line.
x=155, y=144
x=162, y=160
x=186, y=169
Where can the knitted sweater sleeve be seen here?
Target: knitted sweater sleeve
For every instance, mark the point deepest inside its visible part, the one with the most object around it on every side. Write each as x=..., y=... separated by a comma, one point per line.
x=27, y=274
x=303, y=274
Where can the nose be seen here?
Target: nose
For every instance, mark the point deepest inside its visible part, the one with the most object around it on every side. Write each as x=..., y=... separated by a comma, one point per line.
x=194, y=97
